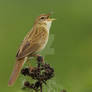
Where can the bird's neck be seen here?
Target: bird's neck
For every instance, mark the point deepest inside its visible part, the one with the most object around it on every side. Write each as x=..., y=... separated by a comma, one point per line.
x=46, y=25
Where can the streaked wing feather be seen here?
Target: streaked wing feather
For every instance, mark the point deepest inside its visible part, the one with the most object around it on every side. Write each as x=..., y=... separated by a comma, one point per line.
x=33, y=48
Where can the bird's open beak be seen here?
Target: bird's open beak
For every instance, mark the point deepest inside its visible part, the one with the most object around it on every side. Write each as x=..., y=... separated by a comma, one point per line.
x=51, y=19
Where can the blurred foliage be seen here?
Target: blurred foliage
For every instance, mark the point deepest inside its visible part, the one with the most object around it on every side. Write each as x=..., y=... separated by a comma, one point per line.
x=72, y=39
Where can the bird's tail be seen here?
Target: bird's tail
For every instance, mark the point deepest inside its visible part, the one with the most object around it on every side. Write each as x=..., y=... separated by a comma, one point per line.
x=16, y=71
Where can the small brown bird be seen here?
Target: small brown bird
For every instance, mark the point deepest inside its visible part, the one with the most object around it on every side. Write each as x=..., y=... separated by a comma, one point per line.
x=34, y=42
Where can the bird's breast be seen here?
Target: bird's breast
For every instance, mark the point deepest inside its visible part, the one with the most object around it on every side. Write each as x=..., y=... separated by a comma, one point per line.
x=44, y=40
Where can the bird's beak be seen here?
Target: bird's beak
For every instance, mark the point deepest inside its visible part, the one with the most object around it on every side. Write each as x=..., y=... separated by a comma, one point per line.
x=51, y=19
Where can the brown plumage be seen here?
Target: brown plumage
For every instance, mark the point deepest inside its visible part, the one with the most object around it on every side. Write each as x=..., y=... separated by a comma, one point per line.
x=34, y=42
x=16, y=71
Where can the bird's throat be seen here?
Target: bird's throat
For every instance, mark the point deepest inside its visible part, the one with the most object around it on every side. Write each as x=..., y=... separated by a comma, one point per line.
x=48, y=25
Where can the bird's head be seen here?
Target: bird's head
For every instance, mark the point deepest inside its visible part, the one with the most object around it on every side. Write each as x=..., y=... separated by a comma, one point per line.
x=44, y=19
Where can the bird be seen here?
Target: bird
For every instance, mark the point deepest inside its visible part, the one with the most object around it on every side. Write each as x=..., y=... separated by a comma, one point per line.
x=34, y=42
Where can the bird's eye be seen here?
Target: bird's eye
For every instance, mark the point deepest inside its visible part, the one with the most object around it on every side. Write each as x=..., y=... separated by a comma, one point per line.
x=42, y=18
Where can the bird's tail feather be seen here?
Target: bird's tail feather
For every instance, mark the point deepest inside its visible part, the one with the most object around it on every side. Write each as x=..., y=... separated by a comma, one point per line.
x=16, y=71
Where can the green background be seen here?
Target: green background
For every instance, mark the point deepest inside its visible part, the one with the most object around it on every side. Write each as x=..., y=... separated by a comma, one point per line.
x=72, y=31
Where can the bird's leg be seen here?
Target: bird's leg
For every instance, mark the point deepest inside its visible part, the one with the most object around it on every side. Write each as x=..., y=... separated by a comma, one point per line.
x=39, y=58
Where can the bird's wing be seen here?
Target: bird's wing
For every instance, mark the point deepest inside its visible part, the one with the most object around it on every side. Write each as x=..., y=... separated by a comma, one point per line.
x=31, y=43
x=27, y=51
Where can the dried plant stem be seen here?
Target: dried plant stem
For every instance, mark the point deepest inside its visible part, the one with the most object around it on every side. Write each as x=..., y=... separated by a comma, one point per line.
x=41, y=87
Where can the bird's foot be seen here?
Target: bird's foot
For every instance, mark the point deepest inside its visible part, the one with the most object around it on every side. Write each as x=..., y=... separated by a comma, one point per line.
x=39, y=58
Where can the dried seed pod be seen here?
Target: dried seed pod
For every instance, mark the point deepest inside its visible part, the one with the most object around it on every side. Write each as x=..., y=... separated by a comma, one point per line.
x=41, y=74
x=26, y=84
x=63, y=90
x=25, y=71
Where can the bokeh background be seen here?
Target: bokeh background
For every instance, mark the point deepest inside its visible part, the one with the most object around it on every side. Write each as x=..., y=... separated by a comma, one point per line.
x=72, y=31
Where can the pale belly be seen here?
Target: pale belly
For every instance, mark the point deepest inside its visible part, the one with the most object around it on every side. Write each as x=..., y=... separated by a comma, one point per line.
x=44, y=44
